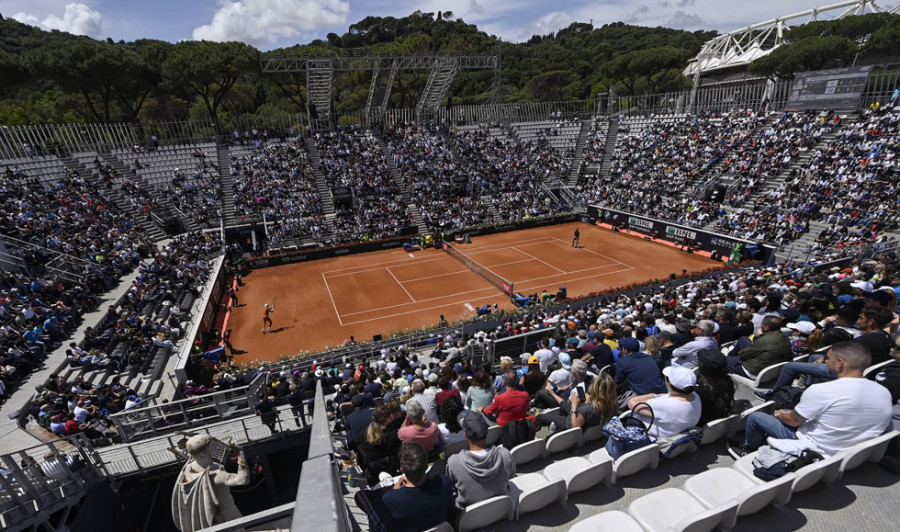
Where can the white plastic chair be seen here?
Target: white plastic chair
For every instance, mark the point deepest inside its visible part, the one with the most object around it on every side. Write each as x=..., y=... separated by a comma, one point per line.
x=442, y=527
x=533, y=491
x=720, y=428
x=768, y=374
x=827, y=471
x=579, y=473
x=481, y=514
x=567, y=439
x=768, y=407
x=716, y=487
x=629, y=463
x=594, y=433
x=455, y=447
x=675, y=509
x=611, y=521
x=872, y=451
x=875, y=368
x=493, y=434
x=528, y=451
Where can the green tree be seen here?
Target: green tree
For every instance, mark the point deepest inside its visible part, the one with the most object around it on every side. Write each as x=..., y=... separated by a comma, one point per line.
x=210, y=70
x=102, y=73
x=810, y=53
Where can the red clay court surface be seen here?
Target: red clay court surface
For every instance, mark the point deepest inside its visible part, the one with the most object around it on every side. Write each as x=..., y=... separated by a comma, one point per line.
x=322, y=303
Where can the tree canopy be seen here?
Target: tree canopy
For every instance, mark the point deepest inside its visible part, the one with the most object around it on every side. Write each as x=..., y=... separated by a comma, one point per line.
x=57, y=77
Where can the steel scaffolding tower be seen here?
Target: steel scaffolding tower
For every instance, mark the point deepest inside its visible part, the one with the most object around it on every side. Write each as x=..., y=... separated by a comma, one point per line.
x=320, y=74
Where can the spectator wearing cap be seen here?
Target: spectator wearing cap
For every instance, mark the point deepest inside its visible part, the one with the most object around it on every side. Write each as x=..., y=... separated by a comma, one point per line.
x=799, y=336
x=673, y=412
x=636, y=372
x=686, y=355
x=418, y=429
x=666, y=345
x=770, y=346
x=562, y=378
x=511, y=405
x=483, y=471
x=534, y=380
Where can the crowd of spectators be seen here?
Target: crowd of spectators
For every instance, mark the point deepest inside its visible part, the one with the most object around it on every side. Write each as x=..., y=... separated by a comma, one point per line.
x=133, y=337
x=652, y=167
x=431, y=174
x=352, y=158
x=276, y=180
x=662, y=345
x=510, y=173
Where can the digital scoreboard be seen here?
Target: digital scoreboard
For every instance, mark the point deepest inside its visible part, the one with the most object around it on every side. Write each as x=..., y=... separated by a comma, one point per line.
x=836, y=88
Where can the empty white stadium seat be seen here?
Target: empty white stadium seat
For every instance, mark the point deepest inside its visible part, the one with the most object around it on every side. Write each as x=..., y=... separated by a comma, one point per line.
x=528, y=451
x=481, y=514
x=564, y=440
x=675, y=509
x=534, y=491
x=718, y=486
x=611, y=521
x=579, y=473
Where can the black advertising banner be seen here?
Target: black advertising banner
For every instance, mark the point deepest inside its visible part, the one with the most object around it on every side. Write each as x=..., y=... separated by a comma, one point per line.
x=679, y=234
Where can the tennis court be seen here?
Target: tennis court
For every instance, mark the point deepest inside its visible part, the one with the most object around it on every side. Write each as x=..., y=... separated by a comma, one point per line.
x=324, y=302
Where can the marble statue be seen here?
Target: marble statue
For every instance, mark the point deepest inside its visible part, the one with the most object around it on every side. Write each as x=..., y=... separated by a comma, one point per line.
x=202, y=493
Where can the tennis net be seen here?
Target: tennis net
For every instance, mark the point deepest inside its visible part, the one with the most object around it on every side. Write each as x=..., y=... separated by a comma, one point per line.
x=483, y=271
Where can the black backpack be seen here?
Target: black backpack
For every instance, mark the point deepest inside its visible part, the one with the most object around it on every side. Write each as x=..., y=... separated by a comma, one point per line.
x=786, y=397
x=517, y=432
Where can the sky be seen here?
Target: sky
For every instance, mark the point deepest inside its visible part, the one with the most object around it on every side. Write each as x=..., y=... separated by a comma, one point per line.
x=270, y=24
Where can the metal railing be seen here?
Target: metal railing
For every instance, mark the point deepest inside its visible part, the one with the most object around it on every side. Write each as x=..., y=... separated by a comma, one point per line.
x=186, y=414
x=514, y=346
x=37, y=482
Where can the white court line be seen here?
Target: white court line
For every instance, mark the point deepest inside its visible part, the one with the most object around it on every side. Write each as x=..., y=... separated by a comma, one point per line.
x=598, y=254
x=416, y=310
x=509, y=245
x=539, y=260
x=491, y=288
x=573, y=280
x=401, y=285
x=382, y=264
x=465, y=302
x=325, y=280
x=436, y=276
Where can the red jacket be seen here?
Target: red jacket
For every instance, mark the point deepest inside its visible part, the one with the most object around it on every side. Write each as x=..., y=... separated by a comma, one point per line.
x=509, y=406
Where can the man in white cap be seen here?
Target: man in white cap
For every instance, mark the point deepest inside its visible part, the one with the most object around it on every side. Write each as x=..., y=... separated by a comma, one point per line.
x=673, y=412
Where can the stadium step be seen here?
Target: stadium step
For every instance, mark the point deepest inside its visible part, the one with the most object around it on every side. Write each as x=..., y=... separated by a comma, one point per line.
x=315, y=162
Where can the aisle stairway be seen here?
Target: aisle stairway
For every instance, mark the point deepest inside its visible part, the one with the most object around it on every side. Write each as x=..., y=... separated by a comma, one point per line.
x=315, y=161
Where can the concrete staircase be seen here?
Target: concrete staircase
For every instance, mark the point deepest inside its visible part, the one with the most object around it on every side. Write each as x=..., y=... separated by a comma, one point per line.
x=418, y=218
x=226, y=182
x=797, y=250
x=575, y=171
x=395, y=170
x=612, y=133
x=315, y=161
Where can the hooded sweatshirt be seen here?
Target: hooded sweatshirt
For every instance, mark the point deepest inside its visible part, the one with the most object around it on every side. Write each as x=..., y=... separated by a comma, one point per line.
x=480, y=475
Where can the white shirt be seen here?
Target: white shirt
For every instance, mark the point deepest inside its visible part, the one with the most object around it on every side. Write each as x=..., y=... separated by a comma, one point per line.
x=843, y=412
x=562, y=378
x=547, y=357
x=672, y=416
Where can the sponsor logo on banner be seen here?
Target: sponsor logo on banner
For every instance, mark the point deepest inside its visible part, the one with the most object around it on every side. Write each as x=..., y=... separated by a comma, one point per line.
x=724, y=243
x=506, y=288
x=637, y=222
x=294, y=258
x=680, y=233
x=343, y=251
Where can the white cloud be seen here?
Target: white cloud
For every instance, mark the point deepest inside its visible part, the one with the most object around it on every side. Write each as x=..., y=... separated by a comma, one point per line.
x=78, y=19
x=261, y=22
